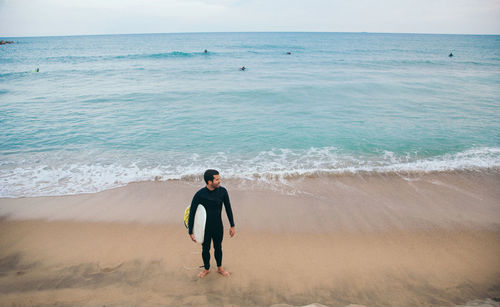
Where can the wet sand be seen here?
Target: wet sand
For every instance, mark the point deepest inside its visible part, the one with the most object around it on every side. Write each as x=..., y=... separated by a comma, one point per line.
x=368, y=239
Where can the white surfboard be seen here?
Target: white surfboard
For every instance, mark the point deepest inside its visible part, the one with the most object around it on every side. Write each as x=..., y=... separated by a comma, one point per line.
x=200, y=219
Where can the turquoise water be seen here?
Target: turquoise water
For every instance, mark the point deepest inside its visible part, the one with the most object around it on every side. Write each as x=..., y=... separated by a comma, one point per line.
x=107, y=110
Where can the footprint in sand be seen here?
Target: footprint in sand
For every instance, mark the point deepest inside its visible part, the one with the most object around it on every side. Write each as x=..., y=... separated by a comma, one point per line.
x=107, y=270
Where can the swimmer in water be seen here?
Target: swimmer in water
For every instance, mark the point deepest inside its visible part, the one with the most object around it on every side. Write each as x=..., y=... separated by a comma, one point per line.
x=451, y=54
x=242, y=68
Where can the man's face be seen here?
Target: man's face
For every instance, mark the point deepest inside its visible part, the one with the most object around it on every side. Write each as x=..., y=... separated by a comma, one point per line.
x=216, y=182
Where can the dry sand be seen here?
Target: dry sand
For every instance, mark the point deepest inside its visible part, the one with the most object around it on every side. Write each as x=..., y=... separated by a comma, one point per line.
x=373, y=240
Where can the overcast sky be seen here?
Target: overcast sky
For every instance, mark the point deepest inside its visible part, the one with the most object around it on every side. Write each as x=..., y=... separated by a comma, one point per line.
x=75, y=17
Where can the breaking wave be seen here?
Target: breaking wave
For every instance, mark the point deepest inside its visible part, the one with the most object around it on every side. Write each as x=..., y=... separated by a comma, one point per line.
x=46, y=174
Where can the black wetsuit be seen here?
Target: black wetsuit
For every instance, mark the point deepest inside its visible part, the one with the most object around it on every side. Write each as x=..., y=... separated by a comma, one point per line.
x=212, y=201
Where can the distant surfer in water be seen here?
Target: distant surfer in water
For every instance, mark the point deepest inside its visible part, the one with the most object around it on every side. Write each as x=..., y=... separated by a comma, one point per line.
x=451, y=54
x=212, y=197
x=242, y=68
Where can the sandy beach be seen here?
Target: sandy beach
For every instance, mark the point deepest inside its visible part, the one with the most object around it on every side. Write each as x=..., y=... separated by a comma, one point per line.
x=421, y=239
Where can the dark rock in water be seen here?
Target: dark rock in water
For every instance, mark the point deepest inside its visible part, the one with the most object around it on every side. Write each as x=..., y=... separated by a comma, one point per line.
x=2, y=42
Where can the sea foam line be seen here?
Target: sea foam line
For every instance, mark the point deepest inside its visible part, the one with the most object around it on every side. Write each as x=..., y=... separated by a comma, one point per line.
x=46, y=175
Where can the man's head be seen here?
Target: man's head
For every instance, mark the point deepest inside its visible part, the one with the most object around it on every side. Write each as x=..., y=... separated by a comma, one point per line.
x=212, y=178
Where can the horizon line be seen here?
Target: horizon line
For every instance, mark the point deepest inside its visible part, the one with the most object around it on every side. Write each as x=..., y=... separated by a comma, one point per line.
x=221, y=32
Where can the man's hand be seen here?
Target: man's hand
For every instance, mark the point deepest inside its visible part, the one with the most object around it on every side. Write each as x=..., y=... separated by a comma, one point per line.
x=232, y=231
x=192, y=237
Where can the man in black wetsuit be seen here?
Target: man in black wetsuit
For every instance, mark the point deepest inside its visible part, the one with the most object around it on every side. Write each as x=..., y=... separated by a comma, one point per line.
x=212, y=197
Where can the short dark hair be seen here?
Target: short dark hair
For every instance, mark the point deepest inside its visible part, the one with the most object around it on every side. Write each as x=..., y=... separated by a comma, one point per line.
x=209, y=175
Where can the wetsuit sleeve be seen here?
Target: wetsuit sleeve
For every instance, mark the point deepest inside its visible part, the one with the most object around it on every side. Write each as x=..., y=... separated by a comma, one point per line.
x=192, y=211
x=229, y=212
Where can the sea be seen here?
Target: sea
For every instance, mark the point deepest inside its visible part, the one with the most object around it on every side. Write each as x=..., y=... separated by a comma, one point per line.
x=107, y=110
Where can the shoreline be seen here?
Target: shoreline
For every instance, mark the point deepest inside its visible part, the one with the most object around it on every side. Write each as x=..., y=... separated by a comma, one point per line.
x=75, y=179
x=373, y=240
x=354, y=202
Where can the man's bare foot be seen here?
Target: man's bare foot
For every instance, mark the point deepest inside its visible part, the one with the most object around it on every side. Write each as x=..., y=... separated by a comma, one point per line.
x=203, y=274
x=223, y=272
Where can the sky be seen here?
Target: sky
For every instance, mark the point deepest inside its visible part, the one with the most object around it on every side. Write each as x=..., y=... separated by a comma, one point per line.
x=82, y=17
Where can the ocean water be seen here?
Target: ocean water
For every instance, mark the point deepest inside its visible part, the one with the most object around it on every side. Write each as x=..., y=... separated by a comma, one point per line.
x=107, y=110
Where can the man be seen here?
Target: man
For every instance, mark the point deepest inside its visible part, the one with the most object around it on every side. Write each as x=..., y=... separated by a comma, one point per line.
x=212, y=197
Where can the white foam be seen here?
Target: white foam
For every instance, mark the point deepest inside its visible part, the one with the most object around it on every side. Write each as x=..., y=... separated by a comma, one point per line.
x=50, y=174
